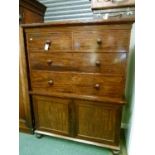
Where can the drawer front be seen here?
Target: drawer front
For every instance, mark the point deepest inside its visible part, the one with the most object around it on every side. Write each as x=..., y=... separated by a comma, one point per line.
x=51, y=61
x=52, y=114
x=107, y=63
x=104, y=125
x=49, y=82
x=80, y=84
x=102, y=41
x=97, y=85
x=49, y=41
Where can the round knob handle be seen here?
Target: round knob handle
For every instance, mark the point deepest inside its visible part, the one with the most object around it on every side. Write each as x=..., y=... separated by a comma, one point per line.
x=49, y=62
x=50, y=82
x=48, y=42
x=99, y=41
x=97, y=86
x=98, y=63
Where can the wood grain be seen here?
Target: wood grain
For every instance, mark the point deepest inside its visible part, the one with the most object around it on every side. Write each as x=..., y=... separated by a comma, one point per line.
x=105, y=63
x=108, y=99
x=52, y=114
x=31, y=11
x=77, y=83
x=109, y=22
x=25, y=119
x=118, y=40
x=59, y=41
x=98, y=122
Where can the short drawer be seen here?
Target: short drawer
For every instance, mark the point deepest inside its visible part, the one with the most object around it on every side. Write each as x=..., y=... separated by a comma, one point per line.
x=97, y=85
x=49, y=41
x=77, y=83
x=106, y=63
x=48, y=82
x=102, y=41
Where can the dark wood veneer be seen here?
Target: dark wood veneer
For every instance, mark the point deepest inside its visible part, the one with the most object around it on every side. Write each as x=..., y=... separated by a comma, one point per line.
x=102, y=125
x=25, y=119
x=77, y=83
x=77, y=78
x=30, y=11
x=106, y=63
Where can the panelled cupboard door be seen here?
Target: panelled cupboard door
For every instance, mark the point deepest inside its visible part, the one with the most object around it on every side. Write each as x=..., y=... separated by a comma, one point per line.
x=51, y=114
x=98, y=122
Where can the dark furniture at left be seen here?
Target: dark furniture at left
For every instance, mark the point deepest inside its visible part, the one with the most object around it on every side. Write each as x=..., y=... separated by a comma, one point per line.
x=30, y=11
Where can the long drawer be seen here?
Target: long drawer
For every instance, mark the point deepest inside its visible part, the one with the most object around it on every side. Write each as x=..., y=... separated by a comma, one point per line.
x=77, y=83
x=107, y=63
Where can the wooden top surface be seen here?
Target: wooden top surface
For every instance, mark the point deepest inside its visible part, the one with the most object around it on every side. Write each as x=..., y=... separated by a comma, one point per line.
x=129, y=20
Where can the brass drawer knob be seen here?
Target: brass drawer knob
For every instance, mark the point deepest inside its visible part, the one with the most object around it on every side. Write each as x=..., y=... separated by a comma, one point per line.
x=99, y=41
x=50, y=82
x=49, y=62
x=97, y=86
x=98, y=63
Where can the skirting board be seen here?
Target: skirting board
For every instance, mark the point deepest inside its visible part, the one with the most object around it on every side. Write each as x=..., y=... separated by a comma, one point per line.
x=77, y=140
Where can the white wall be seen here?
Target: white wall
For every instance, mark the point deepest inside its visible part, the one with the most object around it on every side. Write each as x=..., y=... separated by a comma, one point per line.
x=130, y=89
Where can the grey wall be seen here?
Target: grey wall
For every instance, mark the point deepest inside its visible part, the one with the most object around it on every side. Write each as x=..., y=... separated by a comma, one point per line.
x=67, y=10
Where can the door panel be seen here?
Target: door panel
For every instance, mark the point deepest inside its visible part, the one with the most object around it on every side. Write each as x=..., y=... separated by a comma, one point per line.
x=98, y=121
x=52, y=114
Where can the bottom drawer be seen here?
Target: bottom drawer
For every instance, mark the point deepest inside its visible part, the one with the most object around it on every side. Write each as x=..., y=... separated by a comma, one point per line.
x=87, y=120
x=89, y=84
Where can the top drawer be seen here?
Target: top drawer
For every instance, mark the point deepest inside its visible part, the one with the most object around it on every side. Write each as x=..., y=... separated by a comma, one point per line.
x=102, y=41
x=79, y=39
x=49, y=41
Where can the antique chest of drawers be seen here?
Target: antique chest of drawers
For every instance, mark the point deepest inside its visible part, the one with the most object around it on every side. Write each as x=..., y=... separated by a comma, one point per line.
x=76, y=73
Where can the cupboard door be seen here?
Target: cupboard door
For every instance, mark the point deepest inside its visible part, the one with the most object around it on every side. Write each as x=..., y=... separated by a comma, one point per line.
x=98, y=122
x=51, y=114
